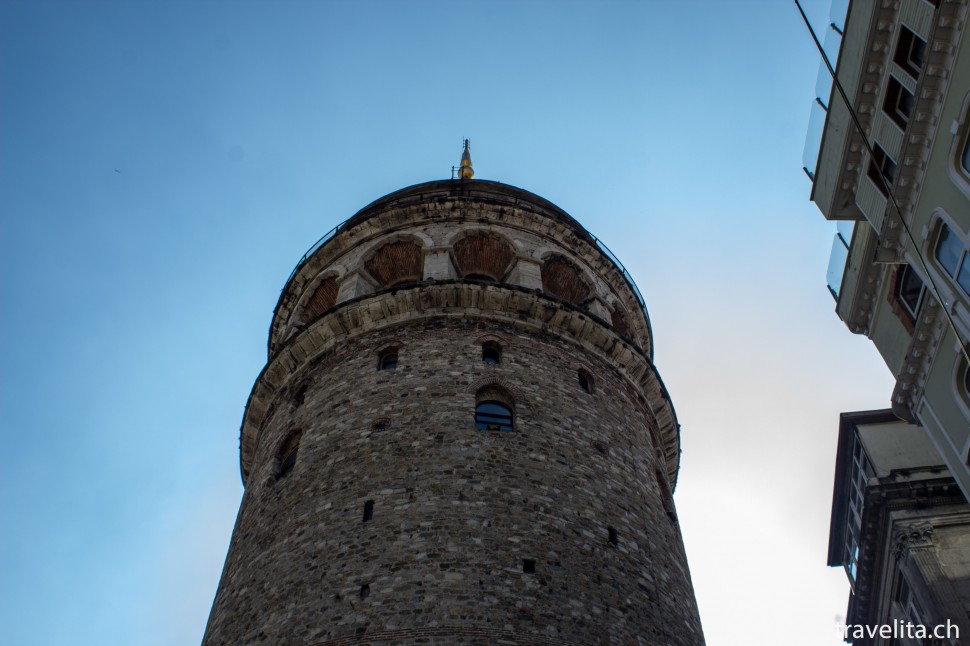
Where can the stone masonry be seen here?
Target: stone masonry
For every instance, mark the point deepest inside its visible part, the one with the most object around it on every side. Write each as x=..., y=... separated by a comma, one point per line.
x=376, y=512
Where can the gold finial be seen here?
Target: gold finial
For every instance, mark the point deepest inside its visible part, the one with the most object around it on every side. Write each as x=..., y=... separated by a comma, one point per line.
x=465, y=170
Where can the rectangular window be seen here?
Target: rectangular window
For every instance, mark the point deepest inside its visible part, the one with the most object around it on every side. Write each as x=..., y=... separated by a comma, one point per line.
x=910, y=291
x=860, y=472
x=910, y=52
x=899, y=103
x=908, y=604
x=881, y=167
x=949, y=250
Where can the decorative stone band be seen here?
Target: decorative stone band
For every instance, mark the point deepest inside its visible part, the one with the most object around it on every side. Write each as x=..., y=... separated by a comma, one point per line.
x=911, y=380
x=912, y=537
x=512, y=306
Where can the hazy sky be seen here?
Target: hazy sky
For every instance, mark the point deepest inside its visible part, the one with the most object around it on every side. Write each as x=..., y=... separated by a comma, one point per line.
x=163, y=166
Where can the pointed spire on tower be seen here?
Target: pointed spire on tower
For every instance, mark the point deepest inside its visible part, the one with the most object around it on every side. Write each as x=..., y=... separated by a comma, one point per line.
x=465, y=170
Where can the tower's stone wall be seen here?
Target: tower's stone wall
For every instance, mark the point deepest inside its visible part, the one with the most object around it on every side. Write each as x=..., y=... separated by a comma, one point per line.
x=399, y=521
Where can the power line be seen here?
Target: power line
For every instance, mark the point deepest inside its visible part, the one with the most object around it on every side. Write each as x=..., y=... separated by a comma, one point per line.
x=887, y=189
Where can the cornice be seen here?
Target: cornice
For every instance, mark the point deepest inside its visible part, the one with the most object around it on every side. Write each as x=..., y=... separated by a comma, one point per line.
x=879, y=539
x=929, y=332
x=510, y=305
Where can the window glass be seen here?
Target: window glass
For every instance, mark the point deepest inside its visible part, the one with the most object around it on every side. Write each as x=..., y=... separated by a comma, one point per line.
x=965, y=158
x=910, y=52
x=963, y=278
x=491, y=353
x=493, y=416
x=388, y=361
x=949, y=249
x=882, y=166
x=910, y=290
x=899, y=103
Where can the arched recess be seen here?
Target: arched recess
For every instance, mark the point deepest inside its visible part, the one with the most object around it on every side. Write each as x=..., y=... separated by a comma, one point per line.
x=483, y=254
x=619, y=321
x=563, y=279
x=396, y=263
x=322, y=298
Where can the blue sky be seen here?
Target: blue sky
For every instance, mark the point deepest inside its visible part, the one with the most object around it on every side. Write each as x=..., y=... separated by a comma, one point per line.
x=163, y=166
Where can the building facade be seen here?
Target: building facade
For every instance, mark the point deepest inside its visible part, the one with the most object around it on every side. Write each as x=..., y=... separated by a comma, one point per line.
x=900, y=276
x=459, y=437
x=901, y=530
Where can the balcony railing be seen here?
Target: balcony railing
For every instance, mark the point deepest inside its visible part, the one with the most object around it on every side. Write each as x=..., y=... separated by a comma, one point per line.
x=831, y=44
x=839, y=256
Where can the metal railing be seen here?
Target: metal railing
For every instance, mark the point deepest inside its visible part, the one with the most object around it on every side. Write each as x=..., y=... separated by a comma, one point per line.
x=823, y=88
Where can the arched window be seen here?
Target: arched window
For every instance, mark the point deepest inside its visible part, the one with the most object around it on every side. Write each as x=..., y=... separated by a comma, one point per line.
x=491, y=352
x=387, y=359
x=493, y=416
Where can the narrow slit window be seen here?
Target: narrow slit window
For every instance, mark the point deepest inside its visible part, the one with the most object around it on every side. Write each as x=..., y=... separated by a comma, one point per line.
x=286, y=457
x=287, y=463
x=364, y=590
x=612, y=537
x=585, y=381
x=529, y=566
x=368, y=511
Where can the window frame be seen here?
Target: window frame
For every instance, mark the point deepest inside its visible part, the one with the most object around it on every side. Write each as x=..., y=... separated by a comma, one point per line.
x=911, y=310
x=962, y=266
x=494, y=421
x=287, y=454
x=894, y=105
x=491, y=348
x=958, y=162
x=881, y=165
x=860, y=471
x=946, y=289
x=903, y=53
x=387, y=359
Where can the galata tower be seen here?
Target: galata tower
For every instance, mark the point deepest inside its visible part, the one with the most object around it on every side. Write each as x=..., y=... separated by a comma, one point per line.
x=459, y=437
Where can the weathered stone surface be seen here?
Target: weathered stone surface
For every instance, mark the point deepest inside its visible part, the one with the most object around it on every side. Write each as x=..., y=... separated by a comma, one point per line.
x=375, y=511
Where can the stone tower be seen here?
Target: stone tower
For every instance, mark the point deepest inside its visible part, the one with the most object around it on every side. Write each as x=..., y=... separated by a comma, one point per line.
x=459, y=437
